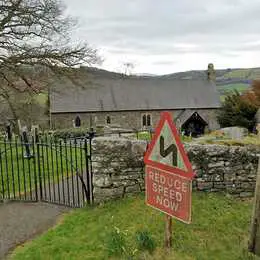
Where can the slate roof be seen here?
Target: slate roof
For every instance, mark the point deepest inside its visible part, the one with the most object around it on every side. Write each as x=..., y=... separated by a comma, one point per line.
x=134, y=93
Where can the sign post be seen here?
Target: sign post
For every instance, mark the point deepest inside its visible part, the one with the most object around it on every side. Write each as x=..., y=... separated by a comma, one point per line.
x=168, y=175
x=168, y=232
x=254, y=239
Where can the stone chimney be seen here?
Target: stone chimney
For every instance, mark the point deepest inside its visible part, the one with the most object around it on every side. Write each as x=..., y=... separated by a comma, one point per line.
x=211, y=72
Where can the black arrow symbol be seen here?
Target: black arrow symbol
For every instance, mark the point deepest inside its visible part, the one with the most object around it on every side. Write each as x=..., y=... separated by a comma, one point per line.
x=170, y=149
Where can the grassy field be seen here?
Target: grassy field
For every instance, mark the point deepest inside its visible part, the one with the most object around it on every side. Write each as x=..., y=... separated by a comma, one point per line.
x=251, y=73
x=124, y=229
x=224, y=90
x=240, y=87
x=218, y=137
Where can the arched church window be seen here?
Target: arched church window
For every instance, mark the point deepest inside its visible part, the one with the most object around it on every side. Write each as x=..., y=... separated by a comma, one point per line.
x=144, y=120
x=77, y=121
x=108, y=120
x=148, y=119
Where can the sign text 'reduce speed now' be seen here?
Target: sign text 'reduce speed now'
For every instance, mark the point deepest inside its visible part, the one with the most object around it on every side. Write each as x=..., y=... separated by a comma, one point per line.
x=168, y=192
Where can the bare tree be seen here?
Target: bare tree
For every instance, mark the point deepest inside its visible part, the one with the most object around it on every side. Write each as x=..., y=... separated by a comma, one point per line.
x=128, y=67
x=35, y=36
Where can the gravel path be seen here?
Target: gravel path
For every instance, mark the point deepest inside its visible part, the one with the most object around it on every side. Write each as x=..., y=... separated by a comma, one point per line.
x=22, y=221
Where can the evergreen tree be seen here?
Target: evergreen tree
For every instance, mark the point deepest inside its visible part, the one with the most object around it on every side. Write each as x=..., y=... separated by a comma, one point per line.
x=237, y=111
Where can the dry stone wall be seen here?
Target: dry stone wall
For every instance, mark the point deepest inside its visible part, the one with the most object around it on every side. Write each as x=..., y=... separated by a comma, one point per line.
x=118, y=168
x=231, y=169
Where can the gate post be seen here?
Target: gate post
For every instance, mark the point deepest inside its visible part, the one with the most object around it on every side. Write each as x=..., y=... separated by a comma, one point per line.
x=39, y=165
x=91, y=136
x=87, y=171
x=35, y=169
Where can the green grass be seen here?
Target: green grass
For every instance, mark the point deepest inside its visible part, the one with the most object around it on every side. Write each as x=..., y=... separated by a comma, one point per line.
x=240, y=87
x=224, y=90
x=18, y=175
x=219, y=231
x=147, y=137
x=41, y=98
x=217, y=137
x=253, y=73
x=144, y=136
x=239, y=73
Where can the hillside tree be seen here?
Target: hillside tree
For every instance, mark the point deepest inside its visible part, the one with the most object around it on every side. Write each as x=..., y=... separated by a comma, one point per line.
x=253, y=93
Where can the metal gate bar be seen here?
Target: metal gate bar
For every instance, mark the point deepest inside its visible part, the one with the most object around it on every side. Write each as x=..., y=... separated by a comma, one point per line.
x=55, y=171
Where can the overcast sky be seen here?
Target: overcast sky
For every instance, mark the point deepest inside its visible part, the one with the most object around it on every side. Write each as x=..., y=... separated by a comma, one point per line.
x=167, y=36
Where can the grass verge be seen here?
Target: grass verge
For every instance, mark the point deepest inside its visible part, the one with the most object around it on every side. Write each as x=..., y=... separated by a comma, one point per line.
x=112, y=231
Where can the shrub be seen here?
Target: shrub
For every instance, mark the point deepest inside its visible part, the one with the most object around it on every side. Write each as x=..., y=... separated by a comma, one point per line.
x=186, y=139
x=237, y=111
x=70, y=133
x=145, y=241
x=145, y=135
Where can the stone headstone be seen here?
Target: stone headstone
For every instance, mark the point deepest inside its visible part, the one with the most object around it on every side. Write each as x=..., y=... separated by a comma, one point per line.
x=35, y=133
x=107, y=130
x=257, y=116
x=26, y=142
x=235, y=132
x=258, y=130
x=9, y=132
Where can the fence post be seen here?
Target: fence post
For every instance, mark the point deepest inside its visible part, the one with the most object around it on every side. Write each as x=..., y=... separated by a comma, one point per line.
x=87, y=170
x=39, y=166
x=254, y=240
x=35, y=169
x=91, y=136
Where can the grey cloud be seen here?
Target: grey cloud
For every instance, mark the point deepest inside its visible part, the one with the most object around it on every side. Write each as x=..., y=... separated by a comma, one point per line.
x=149, y=27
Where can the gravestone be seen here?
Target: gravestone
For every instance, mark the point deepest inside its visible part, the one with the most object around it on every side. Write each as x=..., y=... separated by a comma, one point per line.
x=235, y=132
x=26, y=142
x=35, y=133
x=107, y=130
x=9, y=132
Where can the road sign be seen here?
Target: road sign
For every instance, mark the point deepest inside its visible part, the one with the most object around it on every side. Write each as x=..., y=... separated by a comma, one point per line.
x=166, y=151
x=169, y=193
x=169, y=174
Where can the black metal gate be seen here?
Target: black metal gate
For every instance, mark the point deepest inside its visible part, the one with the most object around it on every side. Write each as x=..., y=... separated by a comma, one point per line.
x=54, y=171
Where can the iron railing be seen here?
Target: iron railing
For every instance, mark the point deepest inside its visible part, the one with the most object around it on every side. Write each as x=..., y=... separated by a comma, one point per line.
x=55, y=171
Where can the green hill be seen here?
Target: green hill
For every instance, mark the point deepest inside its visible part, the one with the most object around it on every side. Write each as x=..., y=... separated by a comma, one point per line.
x=227, y=80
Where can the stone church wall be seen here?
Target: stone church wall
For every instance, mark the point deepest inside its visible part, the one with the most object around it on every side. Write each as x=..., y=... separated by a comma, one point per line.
x=125, y=119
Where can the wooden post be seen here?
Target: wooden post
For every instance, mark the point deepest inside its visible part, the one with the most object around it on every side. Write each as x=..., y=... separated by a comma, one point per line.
x=168, y=233
x=254, y=240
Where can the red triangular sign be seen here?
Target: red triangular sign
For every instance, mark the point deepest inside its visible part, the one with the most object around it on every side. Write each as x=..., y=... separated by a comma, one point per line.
x=166, y=151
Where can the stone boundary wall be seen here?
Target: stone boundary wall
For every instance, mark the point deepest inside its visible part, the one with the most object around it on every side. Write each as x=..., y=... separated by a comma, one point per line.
x=231, y=169
x=118, y=167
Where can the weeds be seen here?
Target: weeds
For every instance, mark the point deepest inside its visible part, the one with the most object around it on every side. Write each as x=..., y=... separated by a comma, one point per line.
x=145, y=241
x=115, y=243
